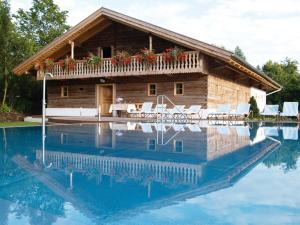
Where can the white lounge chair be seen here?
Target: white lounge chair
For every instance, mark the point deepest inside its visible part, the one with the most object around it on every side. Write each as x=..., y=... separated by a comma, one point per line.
x=176, y=111
x=271, y=131
x=160, y=127
x=290, y=109
x=146, y=109
x=159, y=109
x=222, y=110
x=193, y=110
x=270, y=110
x=146, y=127
x=242, y=110
x=194, y=127
x=243, y=131
x=290, y=133
x=178, y=127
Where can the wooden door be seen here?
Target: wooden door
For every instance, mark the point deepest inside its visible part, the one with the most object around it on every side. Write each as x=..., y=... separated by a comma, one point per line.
x=105, y=98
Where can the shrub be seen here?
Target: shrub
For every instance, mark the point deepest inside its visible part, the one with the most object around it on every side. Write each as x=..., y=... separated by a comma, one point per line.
x=5, y=109
x=254, y=107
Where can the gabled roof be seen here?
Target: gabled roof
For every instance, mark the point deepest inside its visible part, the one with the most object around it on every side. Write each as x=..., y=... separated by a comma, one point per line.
x=100, y=16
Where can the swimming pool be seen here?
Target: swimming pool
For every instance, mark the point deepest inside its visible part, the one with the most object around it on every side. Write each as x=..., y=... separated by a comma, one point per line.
x=133, y=173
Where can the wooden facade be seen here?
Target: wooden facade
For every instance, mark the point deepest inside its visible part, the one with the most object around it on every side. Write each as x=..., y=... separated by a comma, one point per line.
x=207, y=75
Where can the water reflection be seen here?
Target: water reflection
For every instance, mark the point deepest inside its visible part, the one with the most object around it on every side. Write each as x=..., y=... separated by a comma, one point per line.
x=114, y=170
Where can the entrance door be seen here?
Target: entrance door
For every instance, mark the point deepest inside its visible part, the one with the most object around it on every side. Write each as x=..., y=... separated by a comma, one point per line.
x=105, y=98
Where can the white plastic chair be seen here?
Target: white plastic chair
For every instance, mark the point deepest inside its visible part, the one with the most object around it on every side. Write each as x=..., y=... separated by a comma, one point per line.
x=176, y=111
x=242, y=131
x=194, y=127
x=242, y=110
x=222, y=110
x=290, y=109
x=270, y=110
x=146, y=108
x=290, y=133
x=178, y=127
x=146, y=127
x=193, y=110
x=271, y=131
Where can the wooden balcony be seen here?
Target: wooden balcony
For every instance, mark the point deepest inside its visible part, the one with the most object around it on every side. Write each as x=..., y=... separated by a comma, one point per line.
x=193, y=63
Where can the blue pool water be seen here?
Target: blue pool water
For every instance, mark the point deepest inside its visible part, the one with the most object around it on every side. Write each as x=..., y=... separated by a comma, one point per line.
x=131, y=173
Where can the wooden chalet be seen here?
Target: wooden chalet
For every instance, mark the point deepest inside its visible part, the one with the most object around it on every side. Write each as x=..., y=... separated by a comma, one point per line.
x=105, y=62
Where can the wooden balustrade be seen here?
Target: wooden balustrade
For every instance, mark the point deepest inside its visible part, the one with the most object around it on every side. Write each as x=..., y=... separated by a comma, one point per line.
x=133, y=168
x=191, y=64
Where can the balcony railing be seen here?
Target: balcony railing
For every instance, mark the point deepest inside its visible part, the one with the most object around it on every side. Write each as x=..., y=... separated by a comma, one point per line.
x=191, y=64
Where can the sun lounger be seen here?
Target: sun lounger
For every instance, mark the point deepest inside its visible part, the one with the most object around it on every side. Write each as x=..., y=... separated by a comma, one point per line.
x=290, y=109
x=290, y=133
x=176, y=111
x=178, y=127
x=194, y=110
x=271, y=131
x=146, y=127
x=242, y=111
x=194, y=127
x=270, y=110
x=146, y=109
x=222, y=110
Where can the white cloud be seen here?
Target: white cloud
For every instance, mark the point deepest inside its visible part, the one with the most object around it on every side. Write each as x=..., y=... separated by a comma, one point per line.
x=263, y=29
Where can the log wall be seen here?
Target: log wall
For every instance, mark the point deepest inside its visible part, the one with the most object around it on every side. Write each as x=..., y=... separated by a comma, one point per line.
x=225, y=90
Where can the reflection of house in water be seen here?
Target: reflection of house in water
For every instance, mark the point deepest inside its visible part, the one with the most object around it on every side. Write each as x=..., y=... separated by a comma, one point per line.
x=113, y=172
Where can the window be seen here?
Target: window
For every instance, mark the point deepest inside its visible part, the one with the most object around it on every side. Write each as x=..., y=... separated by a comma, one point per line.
x=107, y=52
x=178, y=89
x=178, y=146
x=151, y=89
x=64, y=91
x=151, y=145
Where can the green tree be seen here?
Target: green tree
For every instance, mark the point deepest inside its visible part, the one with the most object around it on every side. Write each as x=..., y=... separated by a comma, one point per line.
x=286, y=74
x=238, y=52
x=42, y=23
x=254, y=107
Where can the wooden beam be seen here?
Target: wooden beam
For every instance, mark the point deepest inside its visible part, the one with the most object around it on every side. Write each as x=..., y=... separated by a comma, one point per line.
x=150, y=42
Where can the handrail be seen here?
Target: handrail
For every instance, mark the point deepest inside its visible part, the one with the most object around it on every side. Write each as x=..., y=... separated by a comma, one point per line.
x=81, y=69
x=160, y=119
x=175, y=106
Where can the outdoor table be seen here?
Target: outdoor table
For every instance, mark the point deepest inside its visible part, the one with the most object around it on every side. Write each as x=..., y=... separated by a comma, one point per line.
x=121, y=107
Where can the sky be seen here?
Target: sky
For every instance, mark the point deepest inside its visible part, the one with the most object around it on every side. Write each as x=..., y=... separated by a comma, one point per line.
x=263, y=29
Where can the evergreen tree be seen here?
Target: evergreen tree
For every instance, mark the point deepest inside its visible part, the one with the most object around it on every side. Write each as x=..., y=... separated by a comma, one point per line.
x=238, y=52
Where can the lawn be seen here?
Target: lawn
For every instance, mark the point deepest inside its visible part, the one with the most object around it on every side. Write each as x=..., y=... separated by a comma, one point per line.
x=18, y=124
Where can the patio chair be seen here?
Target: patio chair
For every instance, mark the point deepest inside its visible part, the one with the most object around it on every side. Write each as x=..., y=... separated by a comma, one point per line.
x=270, y=110
x=290, y=109
x=178, y=127
x=271, y=131
x=194, y=127
x=176, y=111
x=242, y=111
x=242, y=131
x=192, y=111
x=146, y=127
x=160, y=127
x=290, y=133
x=222, y=110
x=146, y=108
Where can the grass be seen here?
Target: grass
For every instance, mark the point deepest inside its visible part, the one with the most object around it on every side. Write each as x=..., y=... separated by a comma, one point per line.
x=18, y=124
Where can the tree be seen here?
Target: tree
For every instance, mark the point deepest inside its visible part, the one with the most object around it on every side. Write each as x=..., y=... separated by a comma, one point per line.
x=6, y=45
x=42, y=23
x=286, y=74
x=254, y=107
x=238, y=52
